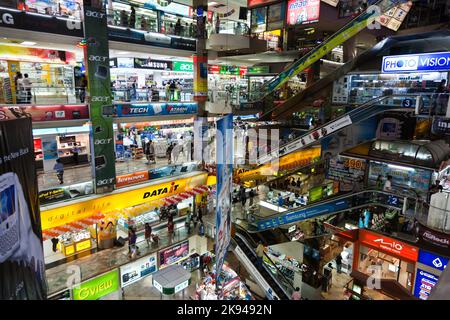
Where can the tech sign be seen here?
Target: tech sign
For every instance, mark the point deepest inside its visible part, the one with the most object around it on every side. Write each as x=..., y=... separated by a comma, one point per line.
x=439, y=61
x=389, y=245
x=155, y=109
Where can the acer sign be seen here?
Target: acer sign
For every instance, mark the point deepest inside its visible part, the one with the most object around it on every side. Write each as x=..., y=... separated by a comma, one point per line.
x=389, y=245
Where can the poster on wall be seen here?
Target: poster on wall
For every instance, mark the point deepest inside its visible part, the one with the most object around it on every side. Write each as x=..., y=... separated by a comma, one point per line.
x=224, y=161
x=276, y=16
x=22, y=267
x=346, y=171
x=303, y=11
x=403, y=177
x=258, y=20
x=45, y=113
x=66, y=192
x=99, y=85
x=132, y=272
x=396, y=126
x=173, y=254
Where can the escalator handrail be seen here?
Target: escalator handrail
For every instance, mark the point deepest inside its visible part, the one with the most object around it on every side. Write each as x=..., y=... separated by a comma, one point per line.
x=353, y=112
x=337, y=198
x=264, y=87
x=277, y=281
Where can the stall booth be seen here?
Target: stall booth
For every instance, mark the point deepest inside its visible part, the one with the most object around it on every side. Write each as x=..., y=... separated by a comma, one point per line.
x=104, y=287
x=171, y=280
x=51, y=73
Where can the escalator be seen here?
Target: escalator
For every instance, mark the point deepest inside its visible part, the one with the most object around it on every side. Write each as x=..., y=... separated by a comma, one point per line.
x=273, y=282
x=361, y=113
x=391, y=200
x=356, y=25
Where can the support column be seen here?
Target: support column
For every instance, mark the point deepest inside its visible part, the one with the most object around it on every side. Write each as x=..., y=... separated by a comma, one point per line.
x=96, y=56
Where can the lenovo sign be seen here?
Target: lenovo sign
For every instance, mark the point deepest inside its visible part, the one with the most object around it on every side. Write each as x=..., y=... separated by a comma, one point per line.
x=389, y=245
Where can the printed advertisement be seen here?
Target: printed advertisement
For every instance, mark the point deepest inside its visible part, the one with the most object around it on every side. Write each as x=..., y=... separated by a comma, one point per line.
x=45, y=113
x=36, y=54
x=346, y=171
x=224, y=160
x=348, y=138
x=425, y=282
x=275, y=16
x=440, y=126
x=200, y=77
x=303, y=11
x=173, y=254
x=403, y=177
x=394, y=17
x=99, y=85
x=22, y=268
x=132, y=272
x=154, y=109
x=98, y=287
x=258, y=20
x=64, y=193
x=396, y=126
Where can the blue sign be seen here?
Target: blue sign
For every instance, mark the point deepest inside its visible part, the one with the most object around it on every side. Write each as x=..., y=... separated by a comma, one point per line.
x=154, y=109
x=425, y=282
x=439, y=61
x=304, y=214
x=432, y=260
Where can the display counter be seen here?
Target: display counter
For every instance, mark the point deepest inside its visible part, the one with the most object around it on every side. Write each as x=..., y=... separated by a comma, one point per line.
x=72, y=243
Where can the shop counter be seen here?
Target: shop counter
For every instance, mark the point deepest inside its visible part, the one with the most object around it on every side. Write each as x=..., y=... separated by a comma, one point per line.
x=69, y=248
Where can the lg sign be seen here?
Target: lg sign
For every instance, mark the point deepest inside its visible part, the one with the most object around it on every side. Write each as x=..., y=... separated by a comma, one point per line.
x=421, y=62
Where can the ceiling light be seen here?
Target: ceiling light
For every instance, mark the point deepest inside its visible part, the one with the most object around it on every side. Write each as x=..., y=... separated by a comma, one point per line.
x=28, y=43
x=253, y=59
x=213, y=3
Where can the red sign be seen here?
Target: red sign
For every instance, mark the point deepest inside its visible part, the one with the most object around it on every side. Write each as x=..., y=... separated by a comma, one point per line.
x=256, y=3
x=303, y=11
x=389, y=245
x=213, y=69
x=127, y=179
x=45, y=113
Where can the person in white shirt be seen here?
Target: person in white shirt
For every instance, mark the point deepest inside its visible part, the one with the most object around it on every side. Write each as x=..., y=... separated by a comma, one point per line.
x=26, y=85
x=388, y=184
x=177, y=149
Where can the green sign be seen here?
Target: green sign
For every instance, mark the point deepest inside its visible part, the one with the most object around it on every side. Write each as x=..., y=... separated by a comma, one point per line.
x=315, y=193
x=99, y=84
x=258, y=69
x=98, y=287
x=183, y=66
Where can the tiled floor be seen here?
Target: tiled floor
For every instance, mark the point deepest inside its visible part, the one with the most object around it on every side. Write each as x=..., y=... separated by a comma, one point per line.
x=83, y=173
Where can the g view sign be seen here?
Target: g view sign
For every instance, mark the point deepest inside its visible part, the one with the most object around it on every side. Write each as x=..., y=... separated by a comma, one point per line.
x=439, y=61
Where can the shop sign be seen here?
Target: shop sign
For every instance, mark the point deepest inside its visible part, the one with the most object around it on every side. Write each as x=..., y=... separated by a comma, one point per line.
x=45, y=113
x=173, y=254
x=389, y=245
x=158, y=286
x=346, y=171
x=128, y=179
x=432, y=260
x=425, y=282
x=258, y=69
x=258, y=20
x=98, y=287
x=439, y=61
x=137, y=270
x=303, y=214
x=440, y=126
x=117, y=200
x=152, y=64
x=276, y=16
x=303, y=11
x=183, y=66
x=435, y=238
x=213, y=69
x=154, y=109
x=64, y=193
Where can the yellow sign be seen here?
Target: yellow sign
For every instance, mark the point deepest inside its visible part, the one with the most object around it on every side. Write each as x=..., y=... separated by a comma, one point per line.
x=70, y=249
x=62, y=215
x=83, y=245
x=291, y=161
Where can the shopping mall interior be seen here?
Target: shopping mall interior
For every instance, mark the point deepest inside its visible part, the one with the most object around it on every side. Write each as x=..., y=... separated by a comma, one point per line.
x=224, y=150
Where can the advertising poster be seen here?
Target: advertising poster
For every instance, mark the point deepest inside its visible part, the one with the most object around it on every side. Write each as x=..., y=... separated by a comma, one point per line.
x=173, y=254
x=303, y=11
x=394, y=17
x=22, y=267
x=425, y=282
x=200, y=77
x=132, y=272
x=45, y=113
x=348, y=138
x=99, y=85
x=182, y=66
x=224, y=160
x=66, y=192
x=440, y=126
x=276, y=16
x=403, y=177
x=346, y=171
x=258, y=20
x=98, y=287
x=396, y=126
x=154, y=109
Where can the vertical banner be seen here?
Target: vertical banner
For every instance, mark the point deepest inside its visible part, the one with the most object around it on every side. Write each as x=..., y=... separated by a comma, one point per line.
x=22, y=269
x=201, y=148
x=99, y=83
x=224, y=159
x=200, y=77
x=50, y=151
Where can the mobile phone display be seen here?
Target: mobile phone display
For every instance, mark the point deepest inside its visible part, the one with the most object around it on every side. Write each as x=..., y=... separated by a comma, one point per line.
x=9, y=228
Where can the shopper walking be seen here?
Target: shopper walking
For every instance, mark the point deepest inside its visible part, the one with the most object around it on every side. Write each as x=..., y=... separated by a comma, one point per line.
x=148, y=233
x=131, y=241
x=338, y=263
x=59, y=168
x=169, y=153
x=388, y=184
x=133, y=18
x=178, y=27
x=26, y=84
x=150, y=152
x=188, y=220
x=75, y=152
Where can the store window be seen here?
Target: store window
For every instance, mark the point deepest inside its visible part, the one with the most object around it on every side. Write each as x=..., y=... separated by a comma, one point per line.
x=372, y=262
x=145, y=20
x=64, y=8
x=168, y=25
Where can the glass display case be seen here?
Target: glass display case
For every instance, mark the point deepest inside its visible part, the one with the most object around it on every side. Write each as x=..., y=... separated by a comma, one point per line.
x=74, y=242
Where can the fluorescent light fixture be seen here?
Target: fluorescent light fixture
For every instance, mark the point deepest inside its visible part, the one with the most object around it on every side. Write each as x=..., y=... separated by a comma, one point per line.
x=123, y=52
x=393, y=166
x=28, y=43
x=253, y=59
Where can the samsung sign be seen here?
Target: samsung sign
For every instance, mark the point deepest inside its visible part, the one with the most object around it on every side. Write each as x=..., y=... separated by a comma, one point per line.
x=439, y=61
